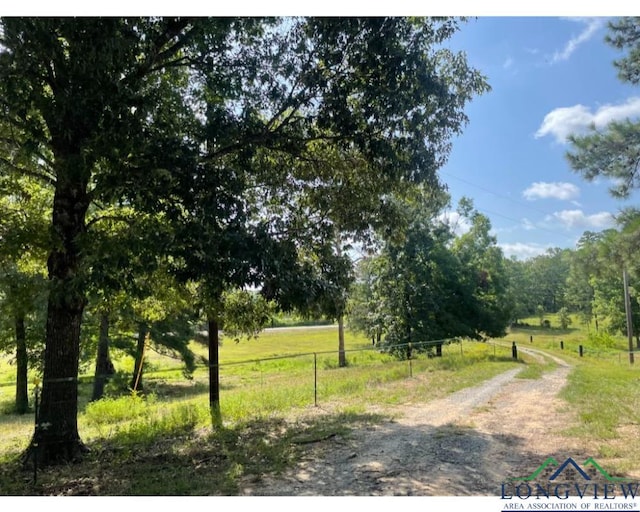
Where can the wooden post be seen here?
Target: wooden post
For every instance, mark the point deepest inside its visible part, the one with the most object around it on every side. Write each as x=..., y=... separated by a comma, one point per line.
x=315, y=379
x=36, y=406
x=514, y=351
x=627, y=307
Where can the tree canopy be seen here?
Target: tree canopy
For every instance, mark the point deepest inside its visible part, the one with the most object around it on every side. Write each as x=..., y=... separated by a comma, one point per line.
x=223, y=129
x=428, y=285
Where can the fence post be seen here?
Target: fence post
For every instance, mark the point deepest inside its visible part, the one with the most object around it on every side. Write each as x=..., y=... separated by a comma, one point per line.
x=315, y=379
x=410, y=365
x=531, y=339
x=561, y=345
x=514, y=350
x=36, y=450
x=580, y=350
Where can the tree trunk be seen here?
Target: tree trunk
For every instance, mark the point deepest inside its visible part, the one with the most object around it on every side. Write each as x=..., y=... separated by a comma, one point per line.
x=214, y=372
x=56, y=438
x=136, y=379
x=104, y=366
x=22, y=395
x=342, y=356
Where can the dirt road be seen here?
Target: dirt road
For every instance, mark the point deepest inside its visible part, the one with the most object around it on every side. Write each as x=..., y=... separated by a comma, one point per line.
x=466, y=444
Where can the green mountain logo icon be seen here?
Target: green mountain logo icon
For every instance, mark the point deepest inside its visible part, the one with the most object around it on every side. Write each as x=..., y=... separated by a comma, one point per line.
x=552, y=462
x=549, y=462
x=591, y=462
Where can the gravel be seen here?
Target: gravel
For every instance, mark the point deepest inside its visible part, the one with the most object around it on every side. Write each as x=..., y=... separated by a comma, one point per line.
x=466, y=444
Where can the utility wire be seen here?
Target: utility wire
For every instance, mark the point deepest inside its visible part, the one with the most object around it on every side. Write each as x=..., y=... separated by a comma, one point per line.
x=516, y=221
x=498, y=195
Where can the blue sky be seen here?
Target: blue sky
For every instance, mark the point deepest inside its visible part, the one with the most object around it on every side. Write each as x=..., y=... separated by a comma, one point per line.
x=550, y=76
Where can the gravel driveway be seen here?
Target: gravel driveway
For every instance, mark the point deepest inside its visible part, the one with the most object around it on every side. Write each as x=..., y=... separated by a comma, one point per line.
x=466, y=444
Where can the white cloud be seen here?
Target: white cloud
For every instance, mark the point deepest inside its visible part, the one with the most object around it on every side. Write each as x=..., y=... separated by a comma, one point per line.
x=564, y=121
x=578, y=219
x=460, y=225
x=592, y=26
x=523, y=251
x=557, y=190
x=507, y=63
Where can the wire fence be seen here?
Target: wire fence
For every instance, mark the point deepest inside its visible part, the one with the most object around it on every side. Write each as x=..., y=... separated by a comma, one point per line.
x=409, y=356
x=312, y=378
x=257, y=386
x=612, y=355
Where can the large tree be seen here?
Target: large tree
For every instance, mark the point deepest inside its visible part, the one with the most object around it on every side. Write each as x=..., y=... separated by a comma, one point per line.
x=199, y=120
x=519, y=289
x=484, y=266
x=547, y=276
x=583, y=269
x=432, y=285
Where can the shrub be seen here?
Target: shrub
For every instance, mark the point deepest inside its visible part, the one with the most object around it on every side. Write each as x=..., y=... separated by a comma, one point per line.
x=601, y=340
x=564, y=318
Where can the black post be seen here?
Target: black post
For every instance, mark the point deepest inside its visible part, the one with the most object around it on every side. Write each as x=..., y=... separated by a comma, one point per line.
x=531, y=339
x=580, y=350
x=561, y=345
x=514, y=351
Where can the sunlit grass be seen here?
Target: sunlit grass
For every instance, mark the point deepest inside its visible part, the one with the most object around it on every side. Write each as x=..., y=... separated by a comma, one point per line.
x=601, y=390
x=294, y=380
x=592, y=389
x=270, y=388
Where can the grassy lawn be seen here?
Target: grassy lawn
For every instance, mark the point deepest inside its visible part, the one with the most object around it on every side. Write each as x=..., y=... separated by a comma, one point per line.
x=163, y=443
x=602, y=390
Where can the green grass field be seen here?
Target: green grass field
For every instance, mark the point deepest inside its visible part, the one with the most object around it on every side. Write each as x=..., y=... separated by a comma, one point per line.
x=602, y=389
x=269, y=387
x=266, y=383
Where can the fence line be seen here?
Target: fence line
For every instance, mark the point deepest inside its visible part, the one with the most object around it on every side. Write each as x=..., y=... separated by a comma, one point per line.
x=384, y=349
x=410, y=355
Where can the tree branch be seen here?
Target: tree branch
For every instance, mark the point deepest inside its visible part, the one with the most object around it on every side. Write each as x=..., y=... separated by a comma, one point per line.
x=156, y=55
x=117, y=218
x=48, y=180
